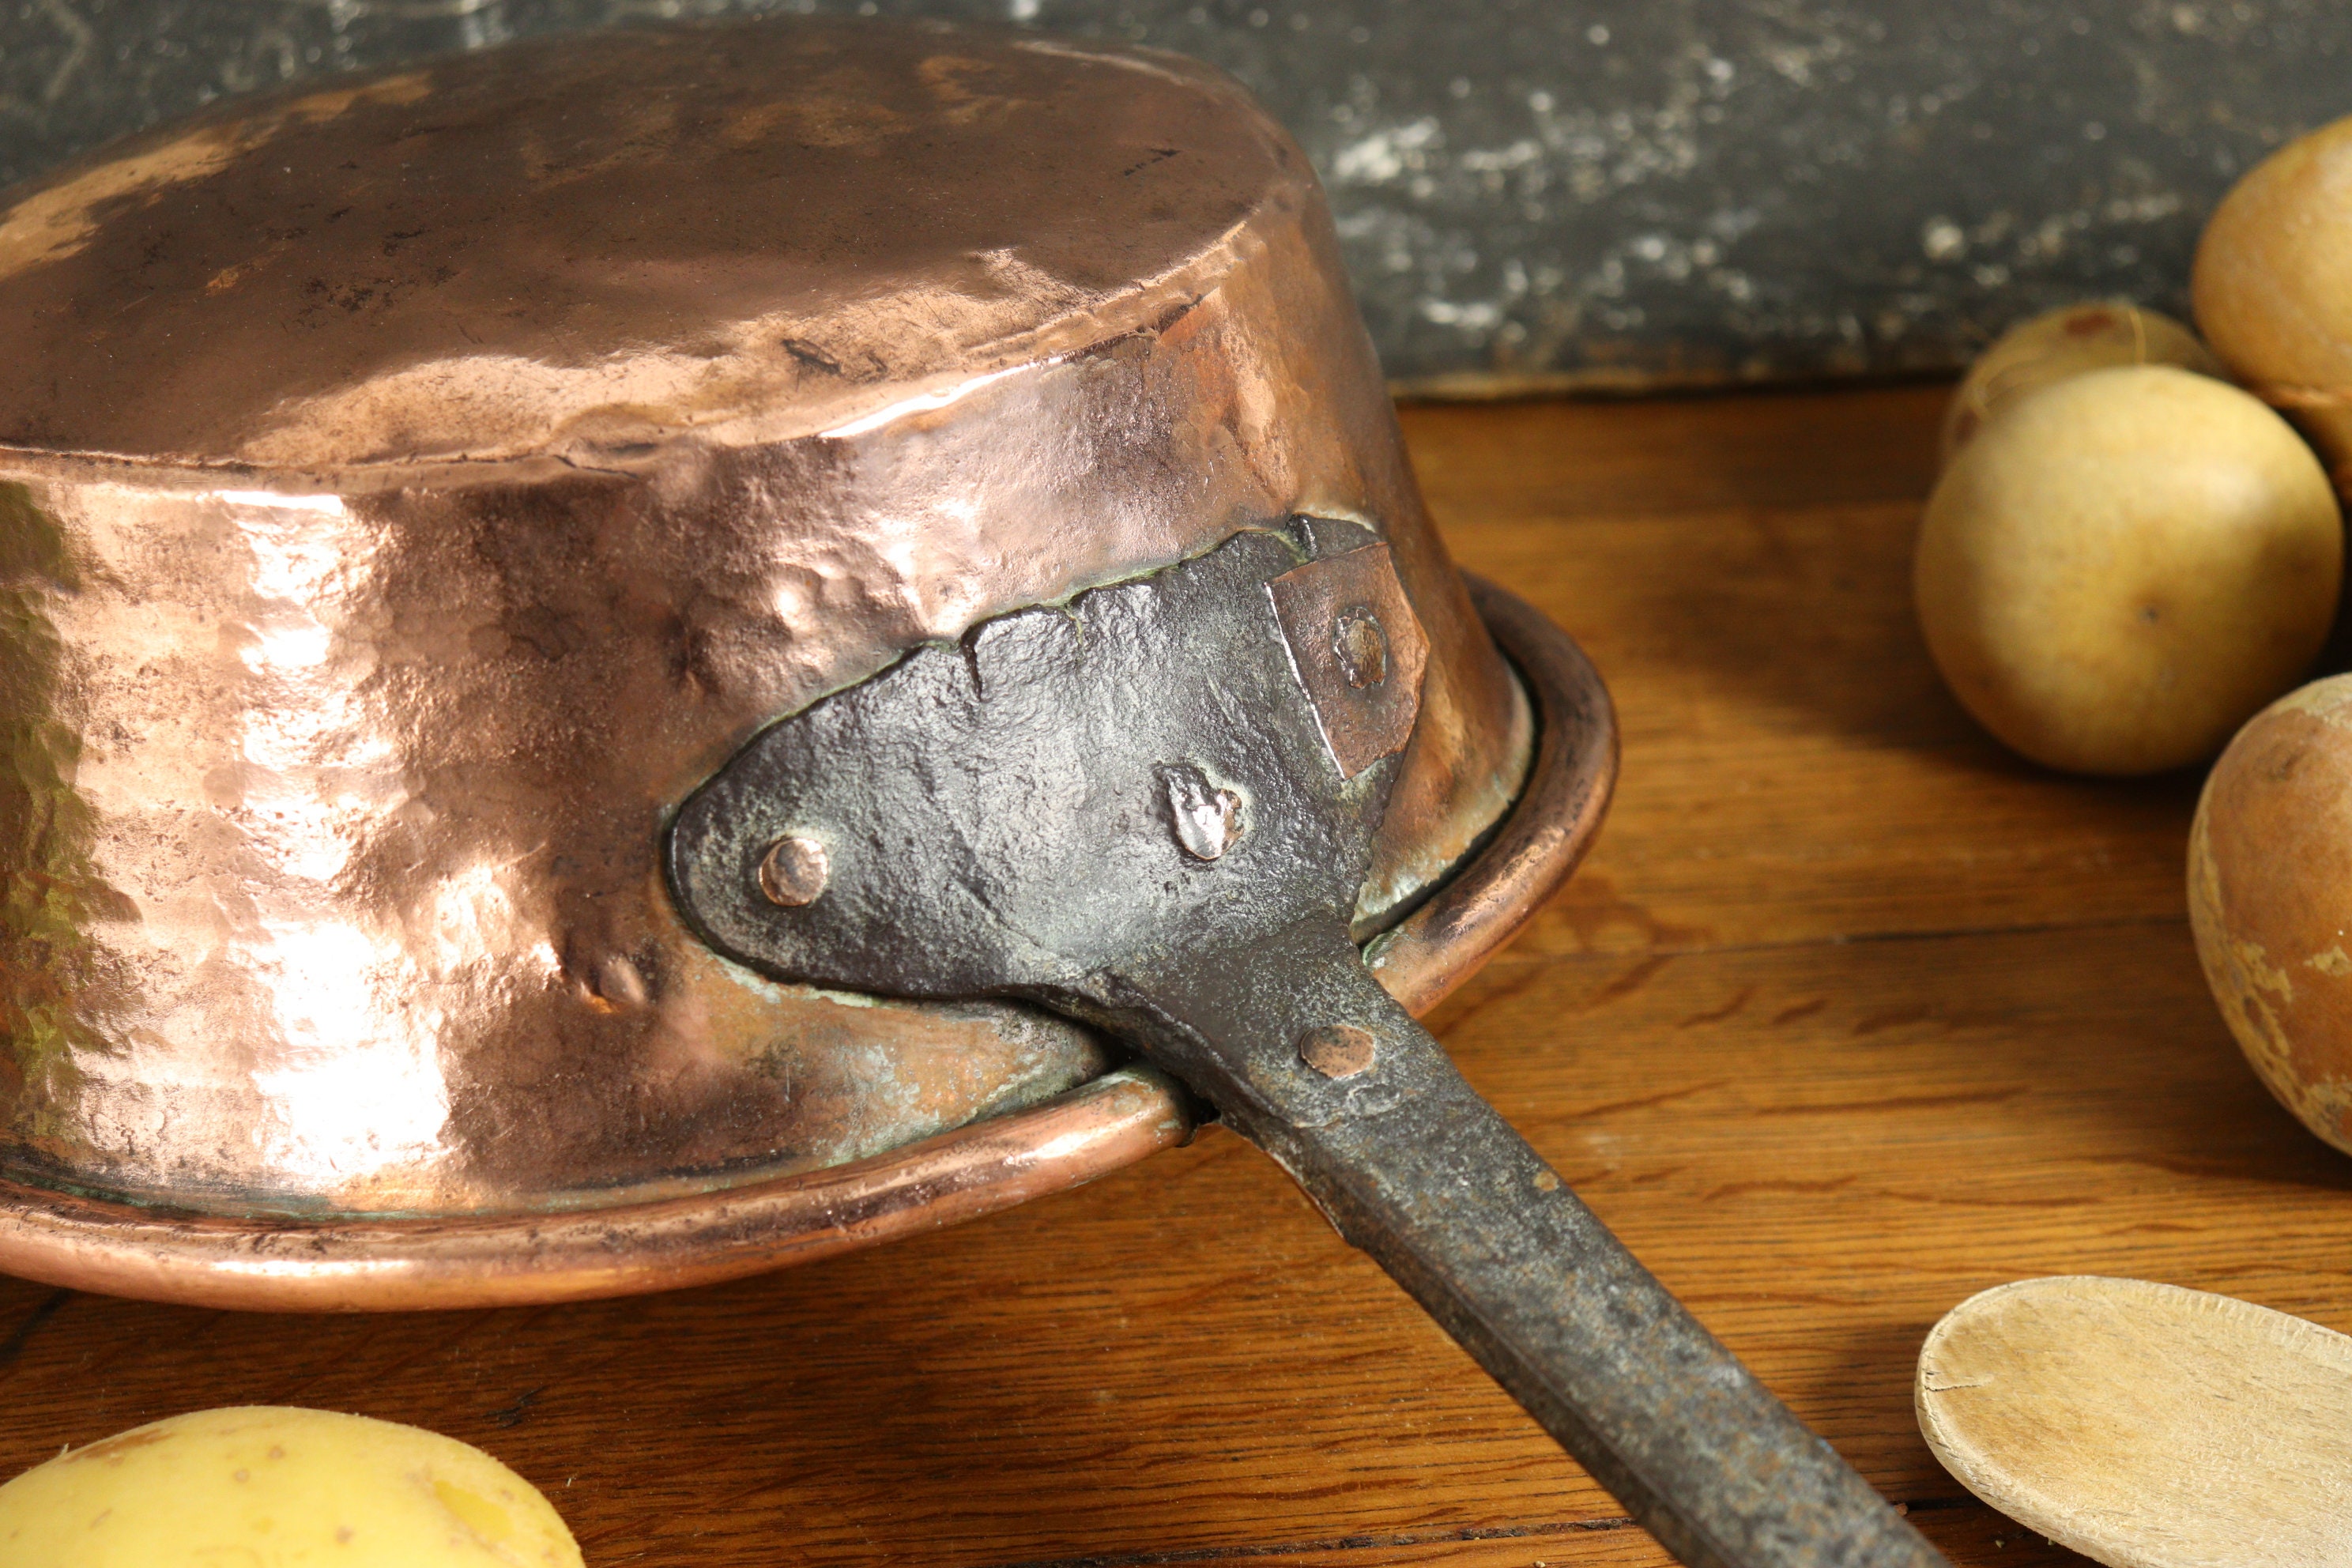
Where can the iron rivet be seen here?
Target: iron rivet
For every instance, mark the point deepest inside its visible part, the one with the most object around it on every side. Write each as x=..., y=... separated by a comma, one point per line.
x=1338, y=1050
x=1207, y=820
x=793, y=872
x=1362, y=647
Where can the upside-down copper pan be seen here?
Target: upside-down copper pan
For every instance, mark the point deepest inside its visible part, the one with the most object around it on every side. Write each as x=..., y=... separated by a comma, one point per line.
x=429, y=479
x=494, y=554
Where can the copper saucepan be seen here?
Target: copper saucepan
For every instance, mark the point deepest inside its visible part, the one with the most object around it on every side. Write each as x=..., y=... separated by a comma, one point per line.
x=416, y=489
x=431, y=478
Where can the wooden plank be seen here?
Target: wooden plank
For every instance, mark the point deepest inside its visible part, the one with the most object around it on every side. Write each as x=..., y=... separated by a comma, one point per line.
x=1793, y=768
x=1850, y=1018
x=1969, y=1532
x=1185, y=1358
x=1544, y=459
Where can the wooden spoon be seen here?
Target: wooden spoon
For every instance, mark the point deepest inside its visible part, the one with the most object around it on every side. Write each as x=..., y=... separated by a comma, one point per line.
x=2145, y=1426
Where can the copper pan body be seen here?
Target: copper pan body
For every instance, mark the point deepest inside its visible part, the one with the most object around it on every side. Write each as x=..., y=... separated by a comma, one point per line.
x=424, y=481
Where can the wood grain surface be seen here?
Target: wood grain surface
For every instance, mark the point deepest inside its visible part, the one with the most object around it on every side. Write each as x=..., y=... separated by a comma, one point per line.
x=1850, y=1017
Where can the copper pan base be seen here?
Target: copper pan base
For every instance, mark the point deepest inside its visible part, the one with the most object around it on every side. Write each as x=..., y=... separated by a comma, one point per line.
x=278, y=1264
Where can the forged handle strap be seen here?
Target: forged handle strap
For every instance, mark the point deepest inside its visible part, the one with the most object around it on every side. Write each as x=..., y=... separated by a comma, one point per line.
x=1418, y=1171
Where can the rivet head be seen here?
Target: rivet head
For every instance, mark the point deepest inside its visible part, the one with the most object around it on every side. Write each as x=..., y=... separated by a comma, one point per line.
x=1362, y=647
x=793, y=870
x=1338, y=1050
x=1207, y=820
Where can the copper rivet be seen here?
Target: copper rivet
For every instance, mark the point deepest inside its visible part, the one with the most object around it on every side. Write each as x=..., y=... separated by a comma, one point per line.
x=1362, y=647
x=1338, y=1050
x=793, y=872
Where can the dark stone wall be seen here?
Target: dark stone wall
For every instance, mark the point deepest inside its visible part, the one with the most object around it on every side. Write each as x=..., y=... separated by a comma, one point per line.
x=1544, y=192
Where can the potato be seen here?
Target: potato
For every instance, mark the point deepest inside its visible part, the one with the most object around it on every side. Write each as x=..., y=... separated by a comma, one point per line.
x=275, y=1488
x=2269, y=898
x=2273, y=285
x=2059, y=343
x=2122, y=568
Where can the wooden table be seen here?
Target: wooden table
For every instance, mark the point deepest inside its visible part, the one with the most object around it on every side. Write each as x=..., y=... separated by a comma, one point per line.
x=1850, y=1015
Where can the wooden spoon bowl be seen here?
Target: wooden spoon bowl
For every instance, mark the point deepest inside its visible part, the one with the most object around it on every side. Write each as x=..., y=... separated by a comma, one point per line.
x=2145, y=1426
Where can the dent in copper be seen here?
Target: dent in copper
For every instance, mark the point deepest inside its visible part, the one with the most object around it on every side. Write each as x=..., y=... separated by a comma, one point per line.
x=411, y=490
x=687, y=1236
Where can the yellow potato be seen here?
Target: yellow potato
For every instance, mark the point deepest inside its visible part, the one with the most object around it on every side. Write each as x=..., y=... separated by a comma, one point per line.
x=268, y=1486
x=2125, y=566
x=2273, y=285
x=2059, y=343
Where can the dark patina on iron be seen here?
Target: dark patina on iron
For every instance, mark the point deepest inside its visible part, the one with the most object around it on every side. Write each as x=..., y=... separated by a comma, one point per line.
x=1029, y=813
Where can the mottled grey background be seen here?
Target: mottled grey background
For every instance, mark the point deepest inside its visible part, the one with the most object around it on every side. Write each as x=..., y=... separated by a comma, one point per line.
x=1594, y=191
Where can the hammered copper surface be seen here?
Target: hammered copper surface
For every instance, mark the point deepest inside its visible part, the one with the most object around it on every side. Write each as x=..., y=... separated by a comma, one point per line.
x=766, y=1221
x=412, y=489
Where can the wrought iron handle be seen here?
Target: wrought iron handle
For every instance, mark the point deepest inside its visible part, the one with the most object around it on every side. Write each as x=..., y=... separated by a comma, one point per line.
x=1155, y=807
x=1365, y=1110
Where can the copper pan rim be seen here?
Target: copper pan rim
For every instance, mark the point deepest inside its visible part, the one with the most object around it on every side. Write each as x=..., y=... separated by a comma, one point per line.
x=280, y=1264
